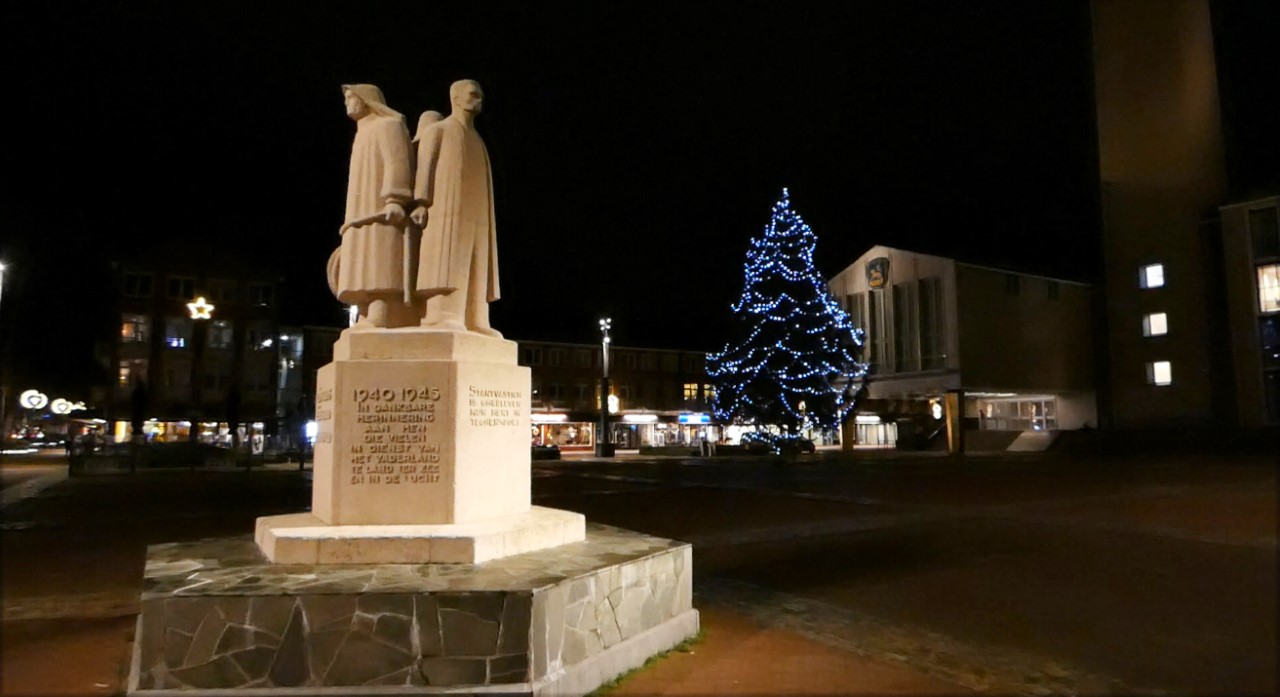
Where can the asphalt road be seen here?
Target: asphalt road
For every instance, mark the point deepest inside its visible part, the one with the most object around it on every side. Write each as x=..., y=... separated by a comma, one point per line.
x=1030, y=575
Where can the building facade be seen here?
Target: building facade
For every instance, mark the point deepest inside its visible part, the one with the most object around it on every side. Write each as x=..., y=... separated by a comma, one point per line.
x=1162, y=173
x=196, y=354
x=1251, y=255
x=660, y=397
x=1190, y=250
x=1013, y=349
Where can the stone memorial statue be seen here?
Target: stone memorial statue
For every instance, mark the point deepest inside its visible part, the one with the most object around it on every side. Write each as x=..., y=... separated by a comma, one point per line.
x=422, y=565
x=373, y=271
x=453, y=192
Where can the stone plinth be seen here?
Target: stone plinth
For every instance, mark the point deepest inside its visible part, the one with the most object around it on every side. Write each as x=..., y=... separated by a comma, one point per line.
x=302, y=538
x=217, y=617
x=421, y=427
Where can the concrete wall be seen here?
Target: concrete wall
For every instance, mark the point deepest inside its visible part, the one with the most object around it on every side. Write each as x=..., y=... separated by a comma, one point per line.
x=1162, y=170
x=1024, y=342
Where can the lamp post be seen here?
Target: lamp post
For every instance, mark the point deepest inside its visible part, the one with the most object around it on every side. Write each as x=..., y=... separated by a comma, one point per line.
x=604, y=448
x=4, y=373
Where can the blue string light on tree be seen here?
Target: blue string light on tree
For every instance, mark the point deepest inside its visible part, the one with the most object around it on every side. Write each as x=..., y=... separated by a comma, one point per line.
x=793, y=360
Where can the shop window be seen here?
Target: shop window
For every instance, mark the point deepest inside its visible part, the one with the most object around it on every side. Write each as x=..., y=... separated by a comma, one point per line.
x=259, y=294
x=690, y=390
x=531, y=355
x=932, y=343
x=216, y=379
x=1271, y=387
x=137, y=285
x=876, y=331
x=220, y=334
x=1269, y=332
x=1269, y=288
x=1264, y=233
x=257, y=378
x=222, y=291
x=1151, y=276
x=182, y=287
x=260, y=337
x=177, y=332
x=135, y=328
x=1155, y=324
x=177, y=380
x=858, y=311
x=905, y=339
x=133, y=371
x=1159, y=373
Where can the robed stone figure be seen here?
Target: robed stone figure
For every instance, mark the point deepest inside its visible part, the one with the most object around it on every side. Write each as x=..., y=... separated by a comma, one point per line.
x=372, y=273
x=453, y=197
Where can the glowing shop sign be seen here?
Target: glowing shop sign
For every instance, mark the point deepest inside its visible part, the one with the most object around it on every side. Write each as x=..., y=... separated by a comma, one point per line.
x=33, y=399
x=694, y=419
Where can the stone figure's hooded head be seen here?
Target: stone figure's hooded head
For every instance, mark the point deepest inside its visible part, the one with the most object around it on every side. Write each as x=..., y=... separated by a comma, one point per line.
x=372, y=97
x=427, y=118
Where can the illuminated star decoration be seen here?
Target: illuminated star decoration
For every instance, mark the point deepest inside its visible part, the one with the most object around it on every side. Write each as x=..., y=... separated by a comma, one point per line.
x=794, y=361
x=200, y=309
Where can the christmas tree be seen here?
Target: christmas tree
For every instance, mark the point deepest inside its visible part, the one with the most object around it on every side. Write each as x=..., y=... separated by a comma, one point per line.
x=793, y=360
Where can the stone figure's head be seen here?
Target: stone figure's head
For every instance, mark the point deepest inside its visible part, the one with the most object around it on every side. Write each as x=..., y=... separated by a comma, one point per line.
x=362, y=99
x=427, y=118
x=466, y=95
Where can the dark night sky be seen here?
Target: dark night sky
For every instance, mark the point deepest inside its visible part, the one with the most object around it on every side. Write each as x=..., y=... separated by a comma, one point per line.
x=636, y=148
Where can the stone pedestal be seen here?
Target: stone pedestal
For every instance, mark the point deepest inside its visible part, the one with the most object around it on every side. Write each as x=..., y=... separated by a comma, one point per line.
x=422, y=455
x=419, y=427
x=217, y=618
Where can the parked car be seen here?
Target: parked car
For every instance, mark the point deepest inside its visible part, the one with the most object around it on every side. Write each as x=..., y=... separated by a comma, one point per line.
x=797, y=445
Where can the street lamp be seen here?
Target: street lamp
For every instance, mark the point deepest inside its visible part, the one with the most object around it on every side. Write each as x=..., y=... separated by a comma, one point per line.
x=603, y=447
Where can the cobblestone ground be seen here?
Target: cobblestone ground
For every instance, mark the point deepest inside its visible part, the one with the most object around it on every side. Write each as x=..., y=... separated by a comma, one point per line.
x=873, y=576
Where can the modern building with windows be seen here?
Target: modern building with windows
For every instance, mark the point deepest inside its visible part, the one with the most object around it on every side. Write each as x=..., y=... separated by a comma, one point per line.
x=1251, y=251
x=1187, y=309
x=658, y=397
x=1013, y=349
x=196, y=353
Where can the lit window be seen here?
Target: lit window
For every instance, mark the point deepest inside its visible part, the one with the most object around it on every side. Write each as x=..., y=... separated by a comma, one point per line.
x=691, y=390
x=134, y=328
x=1269, y=288
x=1160, y=373
x=1151, y=276
x=177, y=332
x=1155, y=324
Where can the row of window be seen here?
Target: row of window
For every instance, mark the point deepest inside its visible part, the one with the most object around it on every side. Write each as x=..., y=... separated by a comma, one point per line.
x=140, y=285
x=621, y=360
x=177, y=377
x=179, y=331
x=555, y=391
x=918, y=340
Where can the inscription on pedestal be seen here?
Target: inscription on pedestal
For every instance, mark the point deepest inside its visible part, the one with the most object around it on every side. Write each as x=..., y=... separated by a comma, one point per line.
x=395, y=444
x=324, y=416
x=489, y=407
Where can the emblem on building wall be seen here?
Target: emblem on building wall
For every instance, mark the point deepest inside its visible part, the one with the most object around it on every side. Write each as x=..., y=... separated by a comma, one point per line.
x=878, y=272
